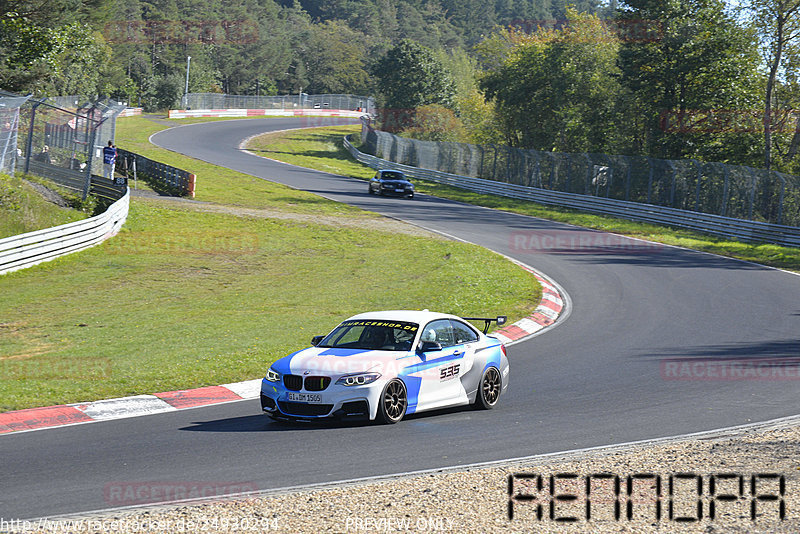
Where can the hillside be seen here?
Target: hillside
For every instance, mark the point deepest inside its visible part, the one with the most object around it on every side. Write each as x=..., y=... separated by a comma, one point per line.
x=23, y=209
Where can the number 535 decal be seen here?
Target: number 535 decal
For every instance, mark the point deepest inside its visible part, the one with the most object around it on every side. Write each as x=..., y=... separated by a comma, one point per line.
x=449, y=372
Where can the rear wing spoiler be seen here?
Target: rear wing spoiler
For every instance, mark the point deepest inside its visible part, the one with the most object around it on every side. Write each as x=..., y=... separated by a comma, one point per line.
x=487, y=321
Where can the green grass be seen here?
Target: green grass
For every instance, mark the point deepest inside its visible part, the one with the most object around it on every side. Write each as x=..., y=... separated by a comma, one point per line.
x=24, y=210
x=185, y=296
x=220, y=185
x=322, y=149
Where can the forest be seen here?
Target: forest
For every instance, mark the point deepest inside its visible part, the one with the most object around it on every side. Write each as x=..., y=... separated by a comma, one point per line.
x=699, y=79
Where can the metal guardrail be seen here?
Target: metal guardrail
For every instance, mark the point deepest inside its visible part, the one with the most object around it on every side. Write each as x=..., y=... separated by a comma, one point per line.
x=26, y=250
x=728, y=227
x=160, y=175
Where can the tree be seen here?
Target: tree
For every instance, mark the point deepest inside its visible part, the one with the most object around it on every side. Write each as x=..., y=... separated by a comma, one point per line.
x=557, y=89
x=434, y=122
x=701, y=60
x=409, y=76
x=778, y=22
x=334, y=58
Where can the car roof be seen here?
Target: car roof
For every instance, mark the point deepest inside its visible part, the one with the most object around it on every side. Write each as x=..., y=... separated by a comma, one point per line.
x=409, y=316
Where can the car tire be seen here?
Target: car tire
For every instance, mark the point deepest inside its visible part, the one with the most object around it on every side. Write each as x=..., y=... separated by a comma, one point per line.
x=489, y=389
x=371, y=192
x=393, y=402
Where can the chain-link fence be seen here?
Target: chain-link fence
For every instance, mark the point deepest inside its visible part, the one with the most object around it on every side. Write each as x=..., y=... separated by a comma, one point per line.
x=715, y=188
x=10, y=105
x=301, y=101
x=65, y=144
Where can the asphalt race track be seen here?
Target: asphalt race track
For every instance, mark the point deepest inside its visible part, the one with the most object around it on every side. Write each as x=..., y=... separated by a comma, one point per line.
x=605, y=375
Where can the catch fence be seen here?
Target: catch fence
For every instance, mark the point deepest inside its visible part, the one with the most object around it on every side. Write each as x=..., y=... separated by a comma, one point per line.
x=714, y=188
x=301, y=101
x=10, y=105
x=65, y=143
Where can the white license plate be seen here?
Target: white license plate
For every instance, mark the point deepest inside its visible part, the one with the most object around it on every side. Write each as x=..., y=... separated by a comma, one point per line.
x=311, y=398
x=399, y=190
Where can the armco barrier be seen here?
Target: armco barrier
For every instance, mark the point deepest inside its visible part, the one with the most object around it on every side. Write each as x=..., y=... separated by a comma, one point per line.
x=161, y=176
x=744, y=230
x=26, y=250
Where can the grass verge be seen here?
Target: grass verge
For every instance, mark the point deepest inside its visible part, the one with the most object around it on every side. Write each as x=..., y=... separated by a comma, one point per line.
x=322, y=149
x=24, y=210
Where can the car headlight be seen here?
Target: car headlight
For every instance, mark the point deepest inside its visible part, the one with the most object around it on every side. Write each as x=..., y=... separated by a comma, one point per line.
x=273, y=375
x=358, y=379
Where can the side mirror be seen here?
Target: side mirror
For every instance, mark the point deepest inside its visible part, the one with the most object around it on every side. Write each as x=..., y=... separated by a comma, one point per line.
x=501, y=320
x=316, y=339
x=428, y=346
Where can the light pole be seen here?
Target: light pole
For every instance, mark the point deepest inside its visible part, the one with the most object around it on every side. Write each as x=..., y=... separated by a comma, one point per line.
x=186, y=90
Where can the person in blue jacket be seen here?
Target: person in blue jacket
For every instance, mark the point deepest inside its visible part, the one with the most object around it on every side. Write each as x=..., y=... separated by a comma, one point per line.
x=109, y=159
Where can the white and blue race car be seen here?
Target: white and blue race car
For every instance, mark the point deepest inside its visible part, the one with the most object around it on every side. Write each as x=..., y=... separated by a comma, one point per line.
x=384, y=365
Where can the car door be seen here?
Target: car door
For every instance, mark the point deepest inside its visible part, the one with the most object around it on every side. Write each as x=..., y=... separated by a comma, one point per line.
x=441, y=367
x=466, y=342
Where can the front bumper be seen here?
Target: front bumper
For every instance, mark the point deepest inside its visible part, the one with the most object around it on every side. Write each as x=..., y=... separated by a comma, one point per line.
x=336, y=402
x=392, y=191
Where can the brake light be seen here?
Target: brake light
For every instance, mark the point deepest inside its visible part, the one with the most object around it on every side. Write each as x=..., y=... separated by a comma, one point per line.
x=503, y=349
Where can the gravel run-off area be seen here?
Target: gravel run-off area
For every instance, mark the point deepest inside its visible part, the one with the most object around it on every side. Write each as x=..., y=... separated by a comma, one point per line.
x=664, y=486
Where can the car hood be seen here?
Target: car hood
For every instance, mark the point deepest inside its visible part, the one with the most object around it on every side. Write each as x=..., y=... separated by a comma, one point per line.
x=337, y=362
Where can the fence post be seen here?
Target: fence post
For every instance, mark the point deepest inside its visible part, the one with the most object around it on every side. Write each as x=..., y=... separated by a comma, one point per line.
x=780, y=199
x=628, y=179
x=649, y=180
x=89, y=165
x=29, y=143
x=672, y=187
x=588, y=174
x=725, y=189
x=697, y=187
x=494, y=166
x=752, y=193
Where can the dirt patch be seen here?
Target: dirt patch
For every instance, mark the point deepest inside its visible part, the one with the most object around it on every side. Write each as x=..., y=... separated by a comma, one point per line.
x=48, y=194
x=375, y=223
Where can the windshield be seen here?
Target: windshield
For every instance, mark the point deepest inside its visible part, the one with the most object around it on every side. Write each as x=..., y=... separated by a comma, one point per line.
x=372, y=335
x=392, y=176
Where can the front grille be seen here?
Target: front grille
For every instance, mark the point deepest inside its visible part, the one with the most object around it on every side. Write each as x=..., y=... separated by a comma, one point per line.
x=317, y=383
x=293, y=382
x=301, y=408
